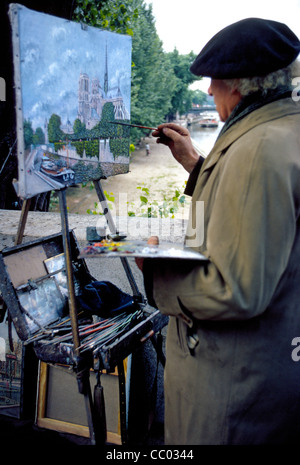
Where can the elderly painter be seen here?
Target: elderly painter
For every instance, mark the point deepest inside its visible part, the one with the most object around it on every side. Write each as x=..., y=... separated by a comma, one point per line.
x=230, y=377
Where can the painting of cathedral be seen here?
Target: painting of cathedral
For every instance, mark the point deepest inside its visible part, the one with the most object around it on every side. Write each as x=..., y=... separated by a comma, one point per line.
x=92, y=97
x=72, y=88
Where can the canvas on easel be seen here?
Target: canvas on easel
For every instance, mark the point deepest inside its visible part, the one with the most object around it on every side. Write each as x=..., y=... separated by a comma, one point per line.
x=72, y=81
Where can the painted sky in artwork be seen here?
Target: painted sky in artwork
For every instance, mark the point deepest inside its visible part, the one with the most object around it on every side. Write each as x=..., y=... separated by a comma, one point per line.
x=54, y=52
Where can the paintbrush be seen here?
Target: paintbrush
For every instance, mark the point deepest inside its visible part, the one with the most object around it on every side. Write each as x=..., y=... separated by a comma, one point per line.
x=133, y=125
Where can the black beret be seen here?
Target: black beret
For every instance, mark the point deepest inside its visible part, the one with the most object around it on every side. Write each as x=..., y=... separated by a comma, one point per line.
x=250, y=47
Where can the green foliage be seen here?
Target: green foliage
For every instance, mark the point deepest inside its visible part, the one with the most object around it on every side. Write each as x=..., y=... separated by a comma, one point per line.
x=110, y=200
x=153, y=80
x=58, y=146
x=104, y=129
x=92, y=148
x=110, y=197
x=28, y=133
x=31, y=137
x=166, y=208
x=183, y=96
x=54, y=201
x=108, y=114
x=199, y=97
x=38, y=136
x=118, y=146
x=85, y=171
x=118, y=135
x=114, y=15
x=54, y=132
x=79, y=129
x=87, y=141
x=149, y=207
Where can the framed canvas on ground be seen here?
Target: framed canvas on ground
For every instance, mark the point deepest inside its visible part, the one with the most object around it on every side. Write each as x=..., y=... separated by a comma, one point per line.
x=60, y=406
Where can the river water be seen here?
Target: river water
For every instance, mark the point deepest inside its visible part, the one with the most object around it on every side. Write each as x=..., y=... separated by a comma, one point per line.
x=205, y=137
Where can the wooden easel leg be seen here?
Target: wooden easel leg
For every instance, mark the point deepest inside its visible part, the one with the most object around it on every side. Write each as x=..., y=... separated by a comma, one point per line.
x=82, y=368
x=69, y=268
x=105, y=208
x=110, y=222
x=22, y=222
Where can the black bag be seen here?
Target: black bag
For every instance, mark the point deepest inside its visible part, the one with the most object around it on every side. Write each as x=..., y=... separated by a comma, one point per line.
x=104, y=299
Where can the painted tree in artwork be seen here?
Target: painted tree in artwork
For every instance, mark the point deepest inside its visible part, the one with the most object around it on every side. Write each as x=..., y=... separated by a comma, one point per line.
x=54, y=132
x=79, y=128
x=32, y=137
x=108, y=113
x=28, y=133
x=38, y=136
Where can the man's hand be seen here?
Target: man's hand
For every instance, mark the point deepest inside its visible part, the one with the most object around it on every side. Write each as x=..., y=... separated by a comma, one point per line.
x=178, y=139
x=153, y=240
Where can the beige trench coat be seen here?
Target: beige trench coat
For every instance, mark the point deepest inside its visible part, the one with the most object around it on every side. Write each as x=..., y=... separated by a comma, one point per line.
x=241, y=384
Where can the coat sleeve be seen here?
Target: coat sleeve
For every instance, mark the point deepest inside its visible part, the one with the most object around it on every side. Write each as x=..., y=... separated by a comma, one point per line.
x=192, y=180
x=250, y=235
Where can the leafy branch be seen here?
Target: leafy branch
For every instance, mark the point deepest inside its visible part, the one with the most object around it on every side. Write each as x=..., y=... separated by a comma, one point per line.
x=149, y=206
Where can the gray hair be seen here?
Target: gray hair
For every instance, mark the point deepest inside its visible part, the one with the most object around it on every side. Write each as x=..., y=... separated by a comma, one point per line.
x=282, y=77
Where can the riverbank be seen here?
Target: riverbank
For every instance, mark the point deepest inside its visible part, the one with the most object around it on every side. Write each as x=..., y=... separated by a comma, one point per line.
x=158, y=178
